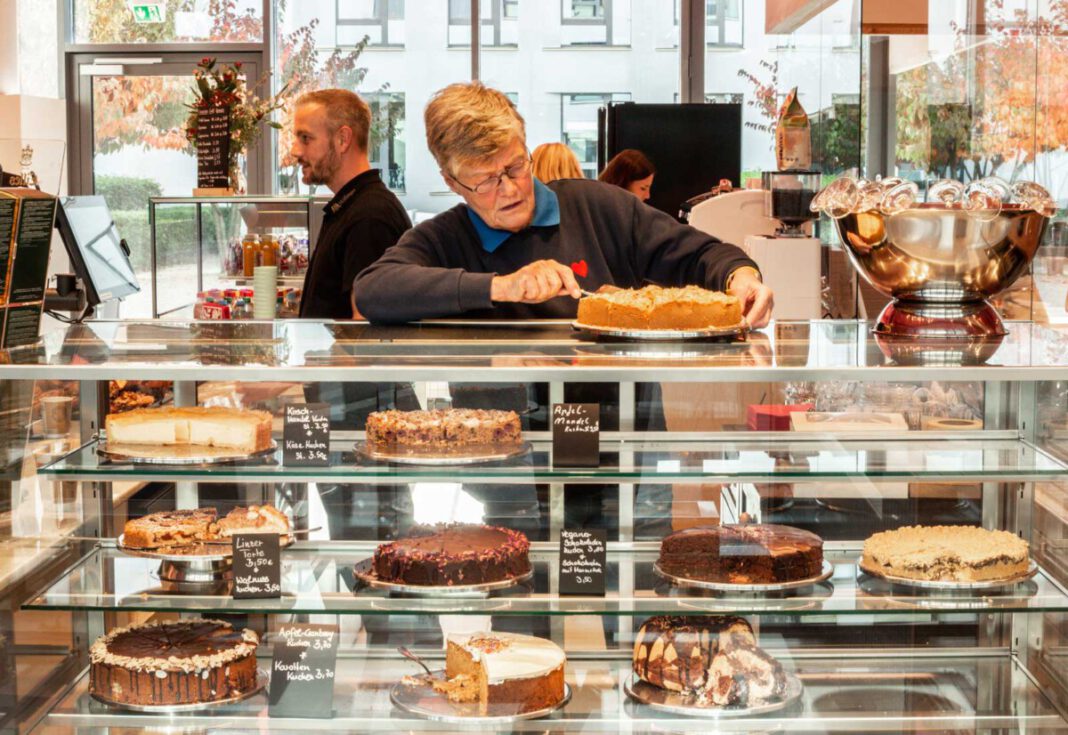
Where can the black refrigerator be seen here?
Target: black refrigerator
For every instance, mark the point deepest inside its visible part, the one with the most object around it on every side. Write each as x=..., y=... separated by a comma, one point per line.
x=692, y=146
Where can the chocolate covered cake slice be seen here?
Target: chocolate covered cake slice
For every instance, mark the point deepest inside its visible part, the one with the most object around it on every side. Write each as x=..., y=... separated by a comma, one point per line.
x=453, y=554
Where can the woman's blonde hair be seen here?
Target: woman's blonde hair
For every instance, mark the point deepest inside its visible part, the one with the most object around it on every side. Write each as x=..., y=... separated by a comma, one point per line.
x=554, y=161
x=470, y=122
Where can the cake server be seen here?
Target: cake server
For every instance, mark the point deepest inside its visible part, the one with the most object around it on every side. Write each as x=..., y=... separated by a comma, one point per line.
x=403, y=651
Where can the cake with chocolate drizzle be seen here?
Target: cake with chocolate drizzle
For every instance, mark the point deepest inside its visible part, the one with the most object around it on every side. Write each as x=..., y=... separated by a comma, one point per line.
x=449, y=554
x=172, y=663
x=712, y=659
x=751, y=553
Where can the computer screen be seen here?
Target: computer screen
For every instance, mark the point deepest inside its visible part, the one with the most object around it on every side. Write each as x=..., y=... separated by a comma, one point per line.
x=95, y=250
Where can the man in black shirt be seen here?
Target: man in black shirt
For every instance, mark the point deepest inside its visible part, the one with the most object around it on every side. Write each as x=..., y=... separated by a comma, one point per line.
x=331, y=129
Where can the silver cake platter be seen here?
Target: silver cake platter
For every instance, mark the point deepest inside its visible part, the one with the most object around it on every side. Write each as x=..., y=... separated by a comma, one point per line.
x=434, y=456
x=826, y=571
x=198, y=552
x=192, y=567
x=936, y=585
x=416, y=695
x=181, y=454
x=178, y=709
x=662, y=335
x=365, y=573
x=677, y=703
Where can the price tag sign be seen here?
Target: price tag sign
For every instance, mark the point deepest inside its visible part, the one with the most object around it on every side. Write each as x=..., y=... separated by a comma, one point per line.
x=213, y=148
x=583, y=557
x=306, y=435
x=576, y=435
x=257, y=566
x=302, y=673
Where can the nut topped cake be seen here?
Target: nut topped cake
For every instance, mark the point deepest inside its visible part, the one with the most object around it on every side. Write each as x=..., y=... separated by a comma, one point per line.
x=170, y=663
x=453, y=554
x=443, y=428
x=505, y=673
x=655, y=307
x=712, y=658
x=946, y=553
x=752, y=553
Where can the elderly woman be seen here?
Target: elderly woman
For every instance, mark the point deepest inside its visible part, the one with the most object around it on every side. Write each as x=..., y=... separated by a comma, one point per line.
x=520, y=249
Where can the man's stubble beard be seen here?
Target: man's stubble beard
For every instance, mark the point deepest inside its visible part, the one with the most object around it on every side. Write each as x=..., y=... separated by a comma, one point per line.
x=324, y=171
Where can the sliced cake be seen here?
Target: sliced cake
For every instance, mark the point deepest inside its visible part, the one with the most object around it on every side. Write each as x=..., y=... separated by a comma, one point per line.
x=946, y=553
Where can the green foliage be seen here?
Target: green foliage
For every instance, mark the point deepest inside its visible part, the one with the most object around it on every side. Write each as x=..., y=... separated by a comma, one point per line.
x=836, y=137
x=126, y=193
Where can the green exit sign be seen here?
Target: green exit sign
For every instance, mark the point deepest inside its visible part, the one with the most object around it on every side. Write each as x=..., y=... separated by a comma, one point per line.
x=148, y=12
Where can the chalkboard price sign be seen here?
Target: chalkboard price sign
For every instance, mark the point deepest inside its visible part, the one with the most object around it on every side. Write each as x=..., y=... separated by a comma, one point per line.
x=583, y=557
x=213, y=148
x=257, y=566
x=306, y=435
x=576, y=435
x=302, y=673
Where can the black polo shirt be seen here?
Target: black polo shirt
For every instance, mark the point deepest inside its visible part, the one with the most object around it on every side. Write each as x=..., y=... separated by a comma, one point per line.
x=362, y=220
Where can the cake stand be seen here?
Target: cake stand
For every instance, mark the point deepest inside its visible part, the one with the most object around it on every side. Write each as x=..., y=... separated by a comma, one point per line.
x=416, y=695
x=365, y=573
x=677, y=703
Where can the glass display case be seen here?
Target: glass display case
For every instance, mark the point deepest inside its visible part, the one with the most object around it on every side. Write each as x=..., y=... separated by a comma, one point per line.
x=205, y=240
x=691, y=435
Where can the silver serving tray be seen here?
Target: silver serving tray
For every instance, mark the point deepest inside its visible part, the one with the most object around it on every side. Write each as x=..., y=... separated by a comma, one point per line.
x=421, y=700
x=826, y=571
x=677, y=703
x=364, y=572
x=178, y=454
x=463, y=455
x=200, y=552
x=177, y=709
x=947, y=585
x=663, y=335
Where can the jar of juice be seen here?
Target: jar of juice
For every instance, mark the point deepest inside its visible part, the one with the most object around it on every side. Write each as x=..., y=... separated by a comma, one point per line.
x=250, y=248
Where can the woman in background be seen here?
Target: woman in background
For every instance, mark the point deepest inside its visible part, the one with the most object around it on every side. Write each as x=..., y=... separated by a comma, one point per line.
x=552, y=161
x=630, y=170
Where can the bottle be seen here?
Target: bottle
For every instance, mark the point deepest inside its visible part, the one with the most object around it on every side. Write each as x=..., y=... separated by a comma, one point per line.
x=269, y=250
x=249, y=248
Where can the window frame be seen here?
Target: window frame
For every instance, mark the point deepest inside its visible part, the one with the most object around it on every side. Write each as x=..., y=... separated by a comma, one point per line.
x=380, y=20
x=494, y=23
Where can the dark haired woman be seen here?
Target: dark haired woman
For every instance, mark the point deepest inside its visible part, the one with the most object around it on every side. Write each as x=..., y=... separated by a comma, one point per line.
x=630, y=170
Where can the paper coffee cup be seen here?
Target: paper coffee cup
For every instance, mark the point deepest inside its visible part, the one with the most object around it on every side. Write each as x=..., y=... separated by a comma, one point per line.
x=55, y=415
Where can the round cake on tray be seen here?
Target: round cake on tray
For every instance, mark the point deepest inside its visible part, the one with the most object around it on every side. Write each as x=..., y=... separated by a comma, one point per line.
x=946, y=554
x=453, y=554
x=750, y=553
x=173, y=663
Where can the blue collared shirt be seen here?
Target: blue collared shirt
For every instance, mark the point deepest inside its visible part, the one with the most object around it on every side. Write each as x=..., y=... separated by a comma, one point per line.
x=546, y=214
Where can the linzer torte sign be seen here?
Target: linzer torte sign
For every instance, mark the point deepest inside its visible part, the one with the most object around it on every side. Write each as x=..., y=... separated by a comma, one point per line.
x=257, y=566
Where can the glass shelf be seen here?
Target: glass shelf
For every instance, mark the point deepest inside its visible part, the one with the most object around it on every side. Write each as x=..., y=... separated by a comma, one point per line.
x=307, y=351
x=904, y=693
x=765, y=457
x=319, y=579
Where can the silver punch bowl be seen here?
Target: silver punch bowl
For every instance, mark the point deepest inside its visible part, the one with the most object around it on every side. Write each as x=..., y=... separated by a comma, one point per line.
x=939, y=263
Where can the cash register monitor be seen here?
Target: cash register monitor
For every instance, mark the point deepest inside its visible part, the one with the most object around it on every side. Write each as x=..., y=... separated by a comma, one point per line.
x=99, y=257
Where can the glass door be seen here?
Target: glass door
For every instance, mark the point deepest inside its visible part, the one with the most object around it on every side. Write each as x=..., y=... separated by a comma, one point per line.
x=128, y=145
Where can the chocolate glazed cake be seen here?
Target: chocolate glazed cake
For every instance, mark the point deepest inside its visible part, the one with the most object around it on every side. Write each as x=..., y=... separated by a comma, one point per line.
x=453, y=554
x=714, y=659
x=742, y=554
x=172, y=663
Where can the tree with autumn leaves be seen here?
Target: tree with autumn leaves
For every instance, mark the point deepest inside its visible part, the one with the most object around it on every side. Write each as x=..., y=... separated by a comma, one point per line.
x=998, y=101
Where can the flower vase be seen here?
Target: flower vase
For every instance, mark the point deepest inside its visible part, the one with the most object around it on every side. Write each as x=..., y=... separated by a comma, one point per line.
x=238, y=182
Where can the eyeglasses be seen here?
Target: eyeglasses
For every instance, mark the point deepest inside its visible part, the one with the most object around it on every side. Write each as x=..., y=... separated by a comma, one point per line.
x=516, y=171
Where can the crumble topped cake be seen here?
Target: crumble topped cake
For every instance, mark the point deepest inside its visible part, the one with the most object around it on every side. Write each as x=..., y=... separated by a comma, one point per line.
x=453, y=554
x=444, y=428
x=183, y=662
x=212, y=426
x=712, y=658
x=655, y=307
x=946, y=553
x=756, y=553
x=505, y=673
x=169, y=528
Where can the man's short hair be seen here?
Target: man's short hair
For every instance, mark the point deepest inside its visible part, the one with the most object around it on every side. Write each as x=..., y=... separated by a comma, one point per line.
x=469, y=122
x=342, y=108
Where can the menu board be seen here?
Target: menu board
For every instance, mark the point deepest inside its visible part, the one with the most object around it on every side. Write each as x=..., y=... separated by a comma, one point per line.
x=7, y=239
x=576, y=434
x=22, y=324
x=213, y=148
x=583, y=557
x=257, y=566
x=33, y=242
x=306, y=435
x=302, y=673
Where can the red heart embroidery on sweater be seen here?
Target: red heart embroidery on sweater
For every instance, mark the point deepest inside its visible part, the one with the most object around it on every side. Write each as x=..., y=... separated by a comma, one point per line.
x=580, y=268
